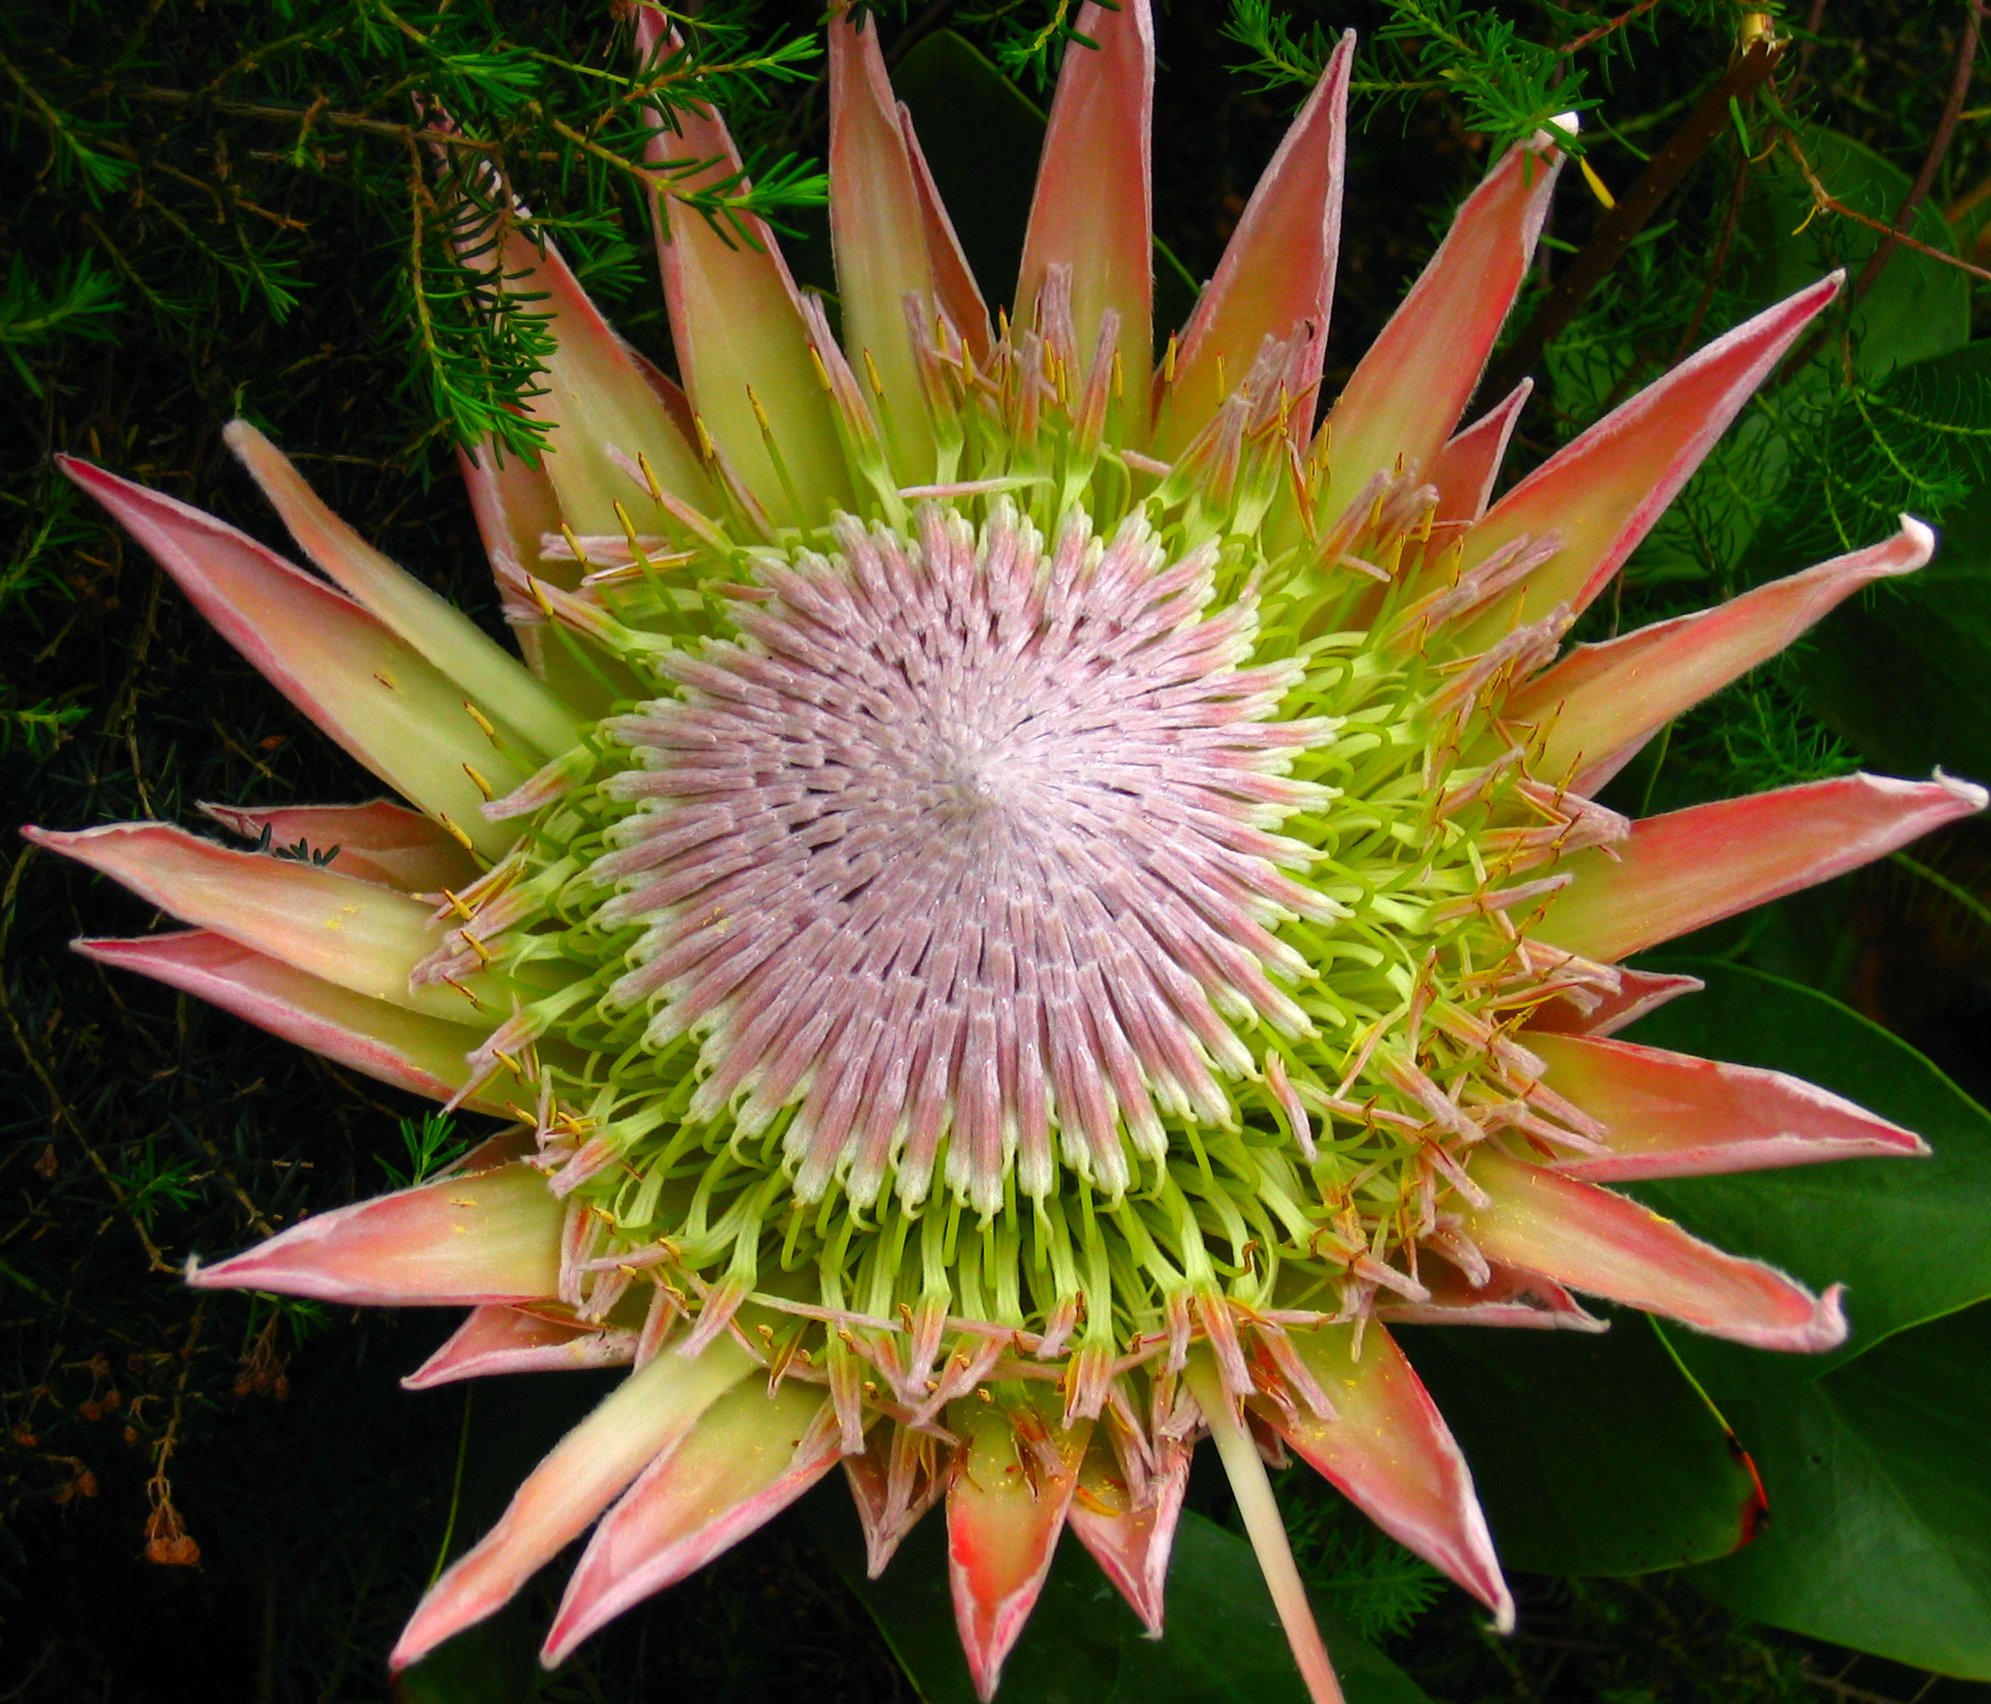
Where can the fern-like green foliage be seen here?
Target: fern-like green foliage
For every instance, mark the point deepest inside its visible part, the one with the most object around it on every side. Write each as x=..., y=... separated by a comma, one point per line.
x=1379, y=1590
x=1508, y=71
x=187, y=164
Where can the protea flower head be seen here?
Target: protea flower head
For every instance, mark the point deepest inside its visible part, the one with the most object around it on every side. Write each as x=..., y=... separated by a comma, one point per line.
x=1028, y=907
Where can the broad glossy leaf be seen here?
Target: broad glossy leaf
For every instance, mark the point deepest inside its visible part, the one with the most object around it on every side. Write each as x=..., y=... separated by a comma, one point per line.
x=1083, y=1646
x=1880, y=1503
x=1906, y=1236
x=1916, y=308
x=1592, y=1455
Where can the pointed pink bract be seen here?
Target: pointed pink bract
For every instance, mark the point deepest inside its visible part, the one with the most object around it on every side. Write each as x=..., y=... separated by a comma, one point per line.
x=1277, y=273
x=411, y=1050
x=1601, y=1013
x=1005, y=1509
x=335, y=927
x=486, y=1236
x=1094, y=206
x=1673, y=1115
x=1592, y=1240
x=503, y=1339
x=1387, y=1449
x=488, y=675
x=645, y=1416
x=1130, y=1530
x=736, y=317
x=1603, y=701
x=1697, y=866
x=1463, y=471
x=379, y=842
x=1410, y=389
x=897, y=259
x=373, y=693
x=749, y=1456
x=1602, y=493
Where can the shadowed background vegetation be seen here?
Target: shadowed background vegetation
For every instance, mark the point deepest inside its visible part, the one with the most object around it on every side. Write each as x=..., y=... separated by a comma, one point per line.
x=232, y=208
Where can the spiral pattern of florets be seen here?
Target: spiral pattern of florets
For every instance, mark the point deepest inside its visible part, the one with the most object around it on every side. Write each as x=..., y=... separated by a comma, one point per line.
x=1043, y=917
x=963, y=837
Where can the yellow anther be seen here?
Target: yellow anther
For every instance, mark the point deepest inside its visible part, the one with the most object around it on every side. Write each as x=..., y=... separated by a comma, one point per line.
x=1595, y=182
x=822, y=372
x=1168, y=359
x=650, y=477
x=705, y=448
x=628, y=527
x=1119, y=377
x=871, y=373
x=456, y=904
x=574, y=544
x=760, y=413
x=483, y=721
x=456, y=833
x=483, y=957
x=478, y=781
x=1223, y=381
x=509, y=1063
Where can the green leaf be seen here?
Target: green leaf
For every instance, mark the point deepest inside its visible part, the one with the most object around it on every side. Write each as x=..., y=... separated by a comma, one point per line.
x=982, y=135
x=1592, y=1455
x=1906, y=1236
x=1083, y=1645
x=1917, y=307
x=1905, y=672
x=1880, y=1503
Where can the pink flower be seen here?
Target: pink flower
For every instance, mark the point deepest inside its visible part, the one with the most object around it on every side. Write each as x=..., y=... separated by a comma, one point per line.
x=1020, y=913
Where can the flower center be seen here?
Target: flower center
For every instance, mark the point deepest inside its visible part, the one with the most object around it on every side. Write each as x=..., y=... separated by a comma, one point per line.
x=1009, y=924
x=965, y=844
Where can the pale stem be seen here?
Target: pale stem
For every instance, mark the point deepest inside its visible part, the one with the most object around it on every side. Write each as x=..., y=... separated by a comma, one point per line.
x=1266, y=1529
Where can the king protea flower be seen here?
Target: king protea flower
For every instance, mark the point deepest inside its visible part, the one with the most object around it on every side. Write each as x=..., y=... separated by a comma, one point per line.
x=1023, y=907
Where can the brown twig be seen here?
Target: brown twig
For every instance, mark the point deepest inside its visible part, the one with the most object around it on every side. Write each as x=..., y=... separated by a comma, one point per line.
x=1610, y=26
x=318, y=111
x=1634, y=210
x=1897, y=234
x=59, y=1111
x=1814, y=21
x=1717, y=264
x=1827, y=202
